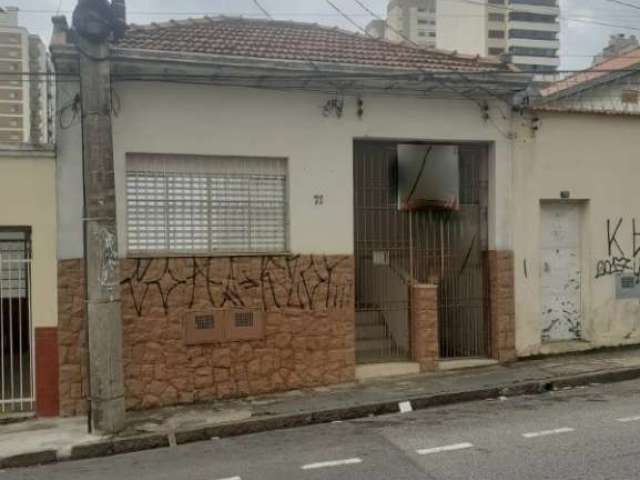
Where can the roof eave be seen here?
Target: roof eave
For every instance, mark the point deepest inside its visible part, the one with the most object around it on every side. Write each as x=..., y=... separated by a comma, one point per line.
x=587, y=85
x=68, y=52
x=577, y=111
x=143, y=61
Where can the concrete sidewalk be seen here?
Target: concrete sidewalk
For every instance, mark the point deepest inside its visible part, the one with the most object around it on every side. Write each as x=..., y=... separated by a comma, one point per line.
x=42, y=441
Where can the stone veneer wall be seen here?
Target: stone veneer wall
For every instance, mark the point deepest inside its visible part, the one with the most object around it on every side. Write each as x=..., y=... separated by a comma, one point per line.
x=309, y=328
x=502, y=305
x=424, y=326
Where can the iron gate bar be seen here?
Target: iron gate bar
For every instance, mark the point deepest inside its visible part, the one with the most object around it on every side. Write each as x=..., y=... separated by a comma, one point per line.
x=382, y=261
x=16, y=328
x=427, y=246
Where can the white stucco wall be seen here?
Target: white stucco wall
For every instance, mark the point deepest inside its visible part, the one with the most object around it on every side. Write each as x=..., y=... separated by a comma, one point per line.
x=208, y=120
x=27, y=194
x=595, y=158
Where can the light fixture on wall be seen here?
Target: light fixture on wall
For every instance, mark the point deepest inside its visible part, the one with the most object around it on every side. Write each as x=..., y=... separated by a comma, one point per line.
x=360, y=108
x=535, y=123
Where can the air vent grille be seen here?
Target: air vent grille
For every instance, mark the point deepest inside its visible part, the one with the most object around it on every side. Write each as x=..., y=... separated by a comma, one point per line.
x=204, y=322
x=244, y=319
x=223, y=325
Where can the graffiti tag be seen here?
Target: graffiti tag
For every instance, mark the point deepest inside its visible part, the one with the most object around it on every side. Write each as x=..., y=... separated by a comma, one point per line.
x=621, y=259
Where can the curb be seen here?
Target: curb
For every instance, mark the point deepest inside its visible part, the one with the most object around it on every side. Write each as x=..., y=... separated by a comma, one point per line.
x=42, y=457
x=16, y=418
x=139, y=443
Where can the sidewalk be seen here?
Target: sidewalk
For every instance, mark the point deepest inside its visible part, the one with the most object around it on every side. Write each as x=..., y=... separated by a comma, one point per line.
x=49, y=440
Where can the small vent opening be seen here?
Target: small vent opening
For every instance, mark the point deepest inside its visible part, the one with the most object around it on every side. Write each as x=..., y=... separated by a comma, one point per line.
x=628, y=282
x=204, y=322
x=244, y=320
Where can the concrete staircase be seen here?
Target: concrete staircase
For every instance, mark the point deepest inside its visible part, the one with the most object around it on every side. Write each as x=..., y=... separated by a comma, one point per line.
x=373, y=342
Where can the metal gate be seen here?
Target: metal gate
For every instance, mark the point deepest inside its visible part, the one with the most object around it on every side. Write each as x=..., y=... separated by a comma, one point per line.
x=394, y=248
x=463, y=287
x=382, y=257
x=16, y=330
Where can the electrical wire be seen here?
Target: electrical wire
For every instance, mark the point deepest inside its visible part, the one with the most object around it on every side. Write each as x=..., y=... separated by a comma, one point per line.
x=307, y=59
x=626, y=4
x=262, y=9
x=482, y=105
x=404, y=74
x=597, y=20
x=404, y=37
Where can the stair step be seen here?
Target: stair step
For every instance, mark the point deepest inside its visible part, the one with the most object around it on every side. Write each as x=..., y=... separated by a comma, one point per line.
x=377, y=345
x=368, y=318
x=371, y=332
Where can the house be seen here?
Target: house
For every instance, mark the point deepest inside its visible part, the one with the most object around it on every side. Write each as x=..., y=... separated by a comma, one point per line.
x=264, y=245
x=28, y=301
x=576, y=221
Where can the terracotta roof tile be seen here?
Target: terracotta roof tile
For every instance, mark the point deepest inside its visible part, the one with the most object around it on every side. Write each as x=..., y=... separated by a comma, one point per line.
x=623, y=62
x=278, y=40
x=584, y=110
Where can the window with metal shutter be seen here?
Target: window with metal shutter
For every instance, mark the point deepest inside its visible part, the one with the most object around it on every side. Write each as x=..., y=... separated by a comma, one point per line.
x=187, y=204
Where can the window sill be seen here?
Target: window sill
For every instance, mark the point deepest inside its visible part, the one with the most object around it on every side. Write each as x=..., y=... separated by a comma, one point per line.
x=152, y=255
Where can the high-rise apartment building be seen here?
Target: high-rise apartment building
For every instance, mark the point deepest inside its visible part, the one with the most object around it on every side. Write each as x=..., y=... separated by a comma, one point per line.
x=525, y=30
x=414, y=19
x=25, y=89
x=531, y=30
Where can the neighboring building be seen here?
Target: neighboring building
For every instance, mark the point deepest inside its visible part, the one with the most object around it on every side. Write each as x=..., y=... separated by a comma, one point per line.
x=260, y=255
x=526, y=30
x=25, y=89
x=28, y=287
x=618, y=45
x=577, y=212
x=28, y=282
x=610, y=86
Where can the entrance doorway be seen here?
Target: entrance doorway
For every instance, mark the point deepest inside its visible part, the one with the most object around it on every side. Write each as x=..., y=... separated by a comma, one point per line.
x=438, y=243
x=16, y=332
x=561, y=272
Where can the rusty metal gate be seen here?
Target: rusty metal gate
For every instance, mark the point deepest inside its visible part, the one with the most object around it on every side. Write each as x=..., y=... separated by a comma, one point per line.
x=16, y=331
x=394, y=248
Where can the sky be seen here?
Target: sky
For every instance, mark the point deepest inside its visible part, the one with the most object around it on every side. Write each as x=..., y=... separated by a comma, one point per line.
x=581, y=38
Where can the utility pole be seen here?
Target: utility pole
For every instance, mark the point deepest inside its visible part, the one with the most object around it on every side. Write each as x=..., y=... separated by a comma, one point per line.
x=95, y=22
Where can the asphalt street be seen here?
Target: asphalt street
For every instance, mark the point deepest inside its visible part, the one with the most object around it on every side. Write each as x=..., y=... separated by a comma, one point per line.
x=589, y=433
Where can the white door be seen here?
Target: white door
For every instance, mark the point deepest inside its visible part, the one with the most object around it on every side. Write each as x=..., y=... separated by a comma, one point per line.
x=560, y=271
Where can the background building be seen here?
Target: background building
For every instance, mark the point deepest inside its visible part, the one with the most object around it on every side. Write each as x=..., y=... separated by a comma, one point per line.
x=532, y=30
x=618, y=45
x=25, y=96
x=415, y=19
x=527, y=30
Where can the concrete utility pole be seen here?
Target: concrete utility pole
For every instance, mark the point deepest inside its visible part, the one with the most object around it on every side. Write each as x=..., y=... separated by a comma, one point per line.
x=94, y=25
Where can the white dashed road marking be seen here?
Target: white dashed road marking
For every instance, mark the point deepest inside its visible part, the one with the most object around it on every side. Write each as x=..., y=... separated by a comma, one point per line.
x=231, y=478
x=629, y=419
x=545, y=433
x=446, y=448
x=333, y=463
x=405, y=407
